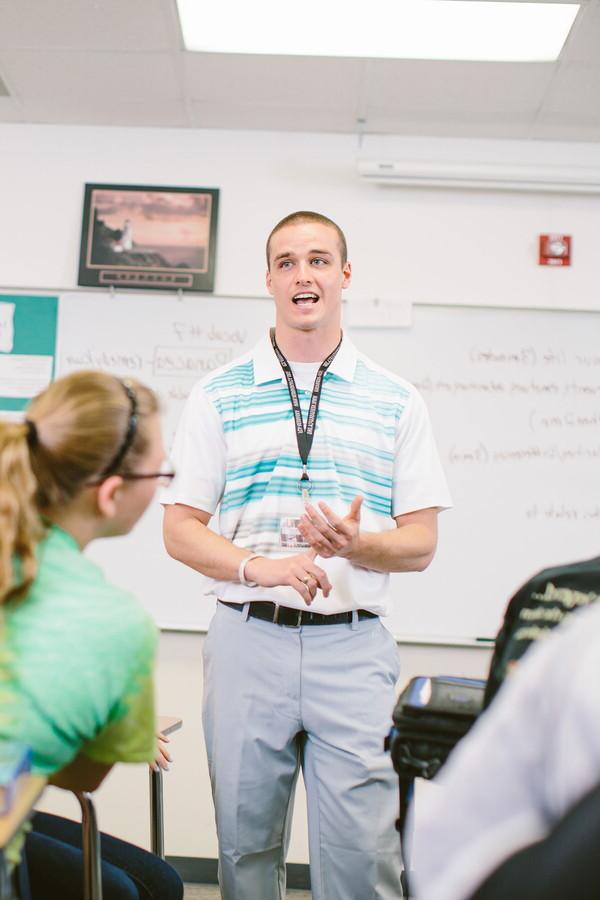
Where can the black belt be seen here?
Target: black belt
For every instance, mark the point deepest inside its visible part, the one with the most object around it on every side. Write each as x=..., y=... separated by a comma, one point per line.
x=294, y=618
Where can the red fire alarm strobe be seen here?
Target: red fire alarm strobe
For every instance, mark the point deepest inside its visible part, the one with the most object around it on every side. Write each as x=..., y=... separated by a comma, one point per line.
x=555, y=249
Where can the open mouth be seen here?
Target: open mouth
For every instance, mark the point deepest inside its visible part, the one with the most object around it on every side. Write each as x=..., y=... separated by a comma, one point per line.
x=307, y=298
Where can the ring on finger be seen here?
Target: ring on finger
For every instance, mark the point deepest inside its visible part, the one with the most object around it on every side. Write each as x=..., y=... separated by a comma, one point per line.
x=306, y=580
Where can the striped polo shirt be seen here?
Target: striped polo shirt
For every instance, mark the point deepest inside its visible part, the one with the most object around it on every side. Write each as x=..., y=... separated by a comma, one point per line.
x=236, y=451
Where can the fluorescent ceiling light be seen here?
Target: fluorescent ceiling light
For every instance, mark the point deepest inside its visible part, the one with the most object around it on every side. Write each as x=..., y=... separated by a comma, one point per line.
x=380, y=29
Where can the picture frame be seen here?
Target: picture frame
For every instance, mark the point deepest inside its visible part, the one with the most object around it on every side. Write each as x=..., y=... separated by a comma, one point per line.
x=149, y=238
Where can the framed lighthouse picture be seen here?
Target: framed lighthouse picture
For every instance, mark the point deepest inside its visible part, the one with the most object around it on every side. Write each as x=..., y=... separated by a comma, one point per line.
x=158, y=238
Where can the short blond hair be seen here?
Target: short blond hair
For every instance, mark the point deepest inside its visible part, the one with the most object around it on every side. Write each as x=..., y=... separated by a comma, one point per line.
x=297, y=218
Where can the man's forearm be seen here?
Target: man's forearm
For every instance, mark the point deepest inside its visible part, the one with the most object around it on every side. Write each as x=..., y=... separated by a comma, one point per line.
x=407, y=549
x=193, y=543
x=189, y=540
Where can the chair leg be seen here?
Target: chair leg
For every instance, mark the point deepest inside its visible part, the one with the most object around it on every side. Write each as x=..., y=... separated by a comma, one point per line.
x=404, y=883
x=6, y=888
x=92, y=873
x=157, y=828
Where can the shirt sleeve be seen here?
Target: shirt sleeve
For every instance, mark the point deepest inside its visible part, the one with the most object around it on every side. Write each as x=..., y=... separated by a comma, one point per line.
x=198, y=455
x=419, y=481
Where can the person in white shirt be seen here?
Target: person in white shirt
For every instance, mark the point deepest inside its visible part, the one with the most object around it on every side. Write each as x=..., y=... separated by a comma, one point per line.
x=530, y=759
x=327, y=479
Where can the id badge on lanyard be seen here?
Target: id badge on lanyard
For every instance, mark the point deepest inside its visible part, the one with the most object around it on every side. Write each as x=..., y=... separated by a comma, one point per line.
x=288, y=531
x=289, y=534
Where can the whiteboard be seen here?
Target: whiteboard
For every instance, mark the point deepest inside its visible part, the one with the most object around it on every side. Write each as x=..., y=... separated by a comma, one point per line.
x=514, y=396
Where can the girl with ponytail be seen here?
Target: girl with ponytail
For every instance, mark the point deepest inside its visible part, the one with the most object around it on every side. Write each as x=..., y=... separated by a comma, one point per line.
x=76, y=652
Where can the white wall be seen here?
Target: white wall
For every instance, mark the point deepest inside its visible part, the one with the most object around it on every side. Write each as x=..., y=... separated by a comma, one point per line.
x=437, y=246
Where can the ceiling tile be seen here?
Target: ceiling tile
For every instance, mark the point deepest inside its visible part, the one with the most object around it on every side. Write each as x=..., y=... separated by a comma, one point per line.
x=11, y=110
x=110, y=111
x=461, y=88
x=89, y=76
x=297, y=81
x=575, y=92
x=88, y=24
x=553, y=127
x=583, y=43
x=271, y=118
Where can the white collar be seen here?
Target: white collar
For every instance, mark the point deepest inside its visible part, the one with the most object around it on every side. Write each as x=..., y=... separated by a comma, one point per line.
x=267, y=368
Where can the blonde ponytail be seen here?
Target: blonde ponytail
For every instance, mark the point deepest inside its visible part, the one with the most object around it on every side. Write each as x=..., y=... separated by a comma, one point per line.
x=20, y=524
x=81, y=428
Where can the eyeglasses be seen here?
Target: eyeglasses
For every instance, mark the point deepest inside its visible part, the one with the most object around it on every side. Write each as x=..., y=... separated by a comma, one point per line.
x=164, y=477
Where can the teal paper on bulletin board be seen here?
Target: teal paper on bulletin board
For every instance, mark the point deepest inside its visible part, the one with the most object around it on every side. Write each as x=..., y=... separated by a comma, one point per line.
x=27, y=348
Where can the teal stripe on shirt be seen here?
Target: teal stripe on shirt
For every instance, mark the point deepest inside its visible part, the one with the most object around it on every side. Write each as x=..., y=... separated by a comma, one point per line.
x=284, y=415
x=288, y=487
x=316, y=464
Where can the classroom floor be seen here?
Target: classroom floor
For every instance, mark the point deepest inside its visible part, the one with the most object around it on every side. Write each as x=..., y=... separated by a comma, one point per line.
x=211, y=892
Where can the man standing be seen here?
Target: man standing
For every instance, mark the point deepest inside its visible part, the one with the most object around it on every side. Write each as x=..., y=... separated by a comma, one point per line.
x=328, y=479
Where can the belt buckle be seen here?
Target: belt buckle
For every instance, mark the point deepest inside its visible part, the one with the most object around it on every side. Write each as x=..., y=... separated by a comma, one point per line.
x=289, y=610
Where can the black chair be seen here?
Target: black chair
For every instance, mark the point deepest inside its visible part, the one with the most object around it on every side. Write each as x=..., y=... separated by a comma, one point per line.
x=430, y=717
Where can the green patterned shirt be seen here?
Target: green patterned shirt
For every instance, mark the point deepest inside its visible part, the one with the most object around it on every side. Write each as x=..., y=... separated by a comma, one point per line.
x=76, y=661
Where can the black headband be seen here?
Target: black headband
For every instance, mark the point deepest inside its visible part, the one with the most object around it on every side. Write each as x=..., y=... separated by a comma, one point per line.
x=127, y=441
x=31, y=435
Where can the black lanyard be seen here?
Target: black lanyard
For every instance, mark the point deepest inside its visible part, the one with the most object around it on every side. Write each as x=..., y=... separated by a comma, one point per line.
x=304, y=436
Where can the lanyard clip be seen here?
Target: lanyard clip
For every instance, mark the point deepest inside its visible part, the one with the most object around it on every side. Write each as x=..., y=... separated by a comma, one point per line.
x=304, y=484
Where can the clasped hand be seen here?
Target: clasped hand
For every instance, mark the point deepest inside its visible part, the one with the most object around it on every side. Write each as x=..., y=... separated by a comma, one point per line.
x=329, y=534
x=299, y=571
